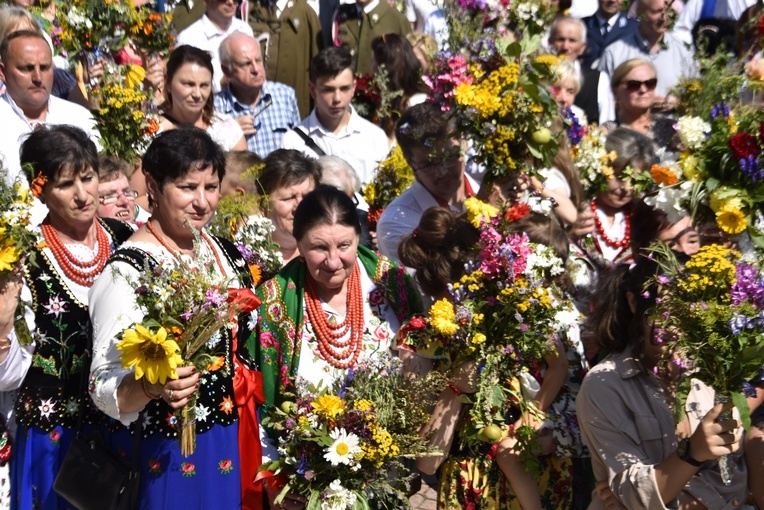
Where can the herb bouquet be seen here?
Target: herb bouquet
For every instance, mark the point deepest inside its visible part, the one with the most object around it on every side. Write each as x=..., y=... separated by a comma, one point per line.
x=17, y=235
x=342, y=448
x=186, y=305
x=502, y=314
x=393, y=177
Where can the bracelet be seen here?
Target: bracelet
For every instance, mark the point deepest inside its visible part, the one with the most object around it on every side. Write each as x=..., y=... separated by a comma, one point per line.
x=146, y=392
x=455, y=389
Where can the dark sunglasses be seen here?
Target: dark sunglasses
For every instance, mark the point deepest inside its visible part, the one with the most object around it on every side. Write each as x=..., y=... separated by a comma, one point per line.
x=635, y=85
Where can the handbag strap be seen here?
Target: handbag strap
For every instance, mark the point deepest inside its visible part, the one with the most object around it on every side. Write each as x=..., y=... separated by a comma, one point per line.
x=309, y=142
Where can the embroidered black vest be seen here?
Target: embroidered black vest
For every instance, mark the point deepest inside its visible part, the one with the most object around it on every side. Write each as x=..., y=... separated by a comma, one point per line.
x=215, y=402
x=52, y=391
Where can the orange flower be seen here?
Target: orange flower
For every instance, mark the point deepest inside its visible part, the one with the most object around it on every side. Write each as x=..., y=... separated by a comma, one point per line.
x=662, y=175
x=254, y=270
x=147, y=29
x=217, y=364
x=38, y=183
x=226, y=405
x=176, y=331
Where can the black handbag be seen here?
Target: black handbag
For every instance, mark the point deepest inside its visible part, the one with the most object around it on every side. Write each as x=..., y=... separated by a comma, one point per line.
x=92, y=477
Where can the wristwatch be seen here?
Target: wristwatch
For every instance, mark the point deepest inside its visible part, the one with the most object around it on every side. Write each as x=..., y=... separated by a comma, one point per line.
x=683, y=452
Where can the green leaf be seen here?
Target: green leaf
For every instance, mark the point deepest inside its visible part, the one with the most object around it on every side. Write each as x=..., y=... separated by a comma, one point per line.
x=282, y=494
x=742, y=406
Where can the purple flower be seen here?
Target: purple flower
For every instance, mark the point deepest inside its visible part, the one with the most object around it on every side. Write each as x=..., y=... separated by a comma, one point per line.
x=302, y=466
x=737, y=323
x=523, y=327
x=749, y=286
x=663, y=279
x=749, y=390
x=187, y=316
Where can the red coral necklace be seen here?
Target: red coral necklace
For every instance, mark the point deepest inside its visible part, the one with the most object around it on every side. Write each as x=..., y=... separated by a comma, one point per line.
x=622, y=243
x=338, y=353
x=173, y=251
x=83, y=273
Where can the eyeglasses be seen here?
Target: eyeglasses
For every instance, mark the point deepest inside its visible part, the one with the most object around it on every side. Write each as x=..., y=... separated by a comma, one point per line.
x=445, y=162
x=112, y=198
x=635, y=85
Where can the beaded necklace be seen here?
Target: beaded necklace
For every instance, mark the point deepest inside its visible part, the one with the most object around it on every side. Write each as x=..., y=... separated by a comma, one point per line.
x=173, y=251
x=622, y=243
x=328, y=335
x=82, y=273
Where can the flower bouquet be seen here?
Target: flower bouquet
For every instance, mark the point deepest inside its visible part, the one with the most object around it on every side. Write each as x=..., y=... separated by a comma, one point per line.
x=186, y=303
x=500, y=101
x=255, y=243
x=152, y=31
x=127, y=118
x=94, y=25
x=592, y=160
x=341, y=448
x=710, y=312
x=393, y=177
x=469, y=20
x=18, y=236
x=502, y=314
x=710, y=315
x=373, y=99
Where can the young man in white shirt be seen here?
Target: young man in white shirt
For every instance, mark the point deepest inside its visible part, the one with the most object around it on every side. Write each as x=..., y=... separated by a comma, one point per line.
x=334, y=128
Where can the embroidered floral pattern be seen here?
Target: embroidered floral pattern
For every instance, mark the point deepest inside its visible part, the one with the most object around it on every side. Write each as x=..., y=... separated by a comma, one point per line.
x=225, y=466
x=226, y=405
x=47, y=408
x=188, y=469
x=55, y=437
x=155, y=467
x=172, y=420
x=55, y=306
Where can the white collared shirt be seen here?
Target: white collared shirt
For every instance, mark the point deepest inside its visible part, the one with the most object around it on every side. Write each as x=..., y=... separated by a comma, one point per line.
x=360, y=143
x=203, y=34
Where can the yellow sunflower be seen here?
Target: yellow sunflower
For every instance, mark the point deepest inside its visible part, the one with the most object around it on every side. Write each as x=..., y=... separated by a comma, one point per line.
x=9, y=255
x=152, y=354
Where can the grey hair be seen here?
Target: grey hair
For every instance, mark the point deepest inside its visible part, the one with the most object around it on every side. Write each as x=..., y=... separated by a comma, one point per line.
x=338, y=173
x=566, y=70
x=633, y=149
x=224, y=51
x=568, y=19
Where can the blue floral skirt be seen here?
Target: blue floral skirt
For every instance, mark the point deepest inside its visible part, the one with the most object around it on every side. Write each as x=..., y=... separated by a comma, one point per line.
x=209, y=478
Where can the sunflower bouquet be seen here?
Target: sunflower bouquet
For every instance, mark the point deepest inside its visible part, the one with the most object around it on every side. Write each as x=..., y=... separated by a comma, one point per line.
x=710, y=315
x=393, y=177
x=127, y=117
x=500, y=100
x=502, y=314
x=342, y=448
x=17, y=235
x=723, y=157
x=187, y=306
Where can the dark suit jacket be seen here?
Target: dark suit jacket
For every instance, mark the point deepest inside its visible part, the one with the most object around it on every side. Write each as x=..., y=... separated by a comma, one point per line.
x=596, y=42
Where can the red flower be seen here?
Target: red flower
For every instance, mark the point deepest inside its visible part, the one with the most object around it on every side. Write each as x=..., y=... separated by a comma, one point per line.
x=188, y=468
x=54, y=435
x=517, y=212
x=743, y=145
x=225, y=466
x=760, y=26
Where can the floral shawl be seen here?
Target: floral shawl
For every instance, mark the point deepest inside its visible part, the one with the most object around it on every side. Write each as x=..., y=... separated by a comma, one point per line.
x=275, y=343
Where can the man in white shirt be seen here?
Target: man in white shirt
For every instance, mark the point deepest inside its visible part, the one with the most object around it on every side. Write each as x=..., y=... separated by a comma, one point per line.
x=652, y=42
x=568, y=39
x=207, y=33
x=695, y=10
x=425, y=135
x=334, y=128
x=27, y=71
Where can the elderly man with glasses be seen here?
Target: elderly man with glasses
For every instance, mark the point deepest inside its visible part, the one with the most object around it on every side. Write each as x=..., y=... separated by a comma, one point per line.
x=116, y=199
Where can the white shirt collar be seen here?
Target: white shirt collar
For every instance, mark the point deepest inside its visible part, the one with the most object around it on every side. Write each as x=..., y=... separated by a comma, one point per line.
x=373, y=5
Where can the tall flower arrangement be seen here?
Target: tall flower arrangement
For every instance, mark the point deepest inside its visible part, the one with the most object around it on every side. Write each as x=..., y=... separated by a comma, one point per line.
x=94, y=25
x=18, y=236
x=500, y=101
x=339, y=445
x=592, y=160
x=393, y=177
x=186, y=302
x=152, y=31
x=710, y=315
x=127, y=117
x=502, y=314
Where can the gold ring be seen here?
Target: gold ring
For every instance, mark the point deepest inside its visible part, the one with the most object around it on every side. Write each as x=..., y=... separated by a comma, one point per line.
x=172, y=399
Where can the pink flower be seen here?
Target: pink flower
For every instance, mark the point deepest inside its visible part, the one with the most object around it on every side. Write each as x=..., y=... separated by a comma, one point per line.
x=267, y=339
x=55, y=436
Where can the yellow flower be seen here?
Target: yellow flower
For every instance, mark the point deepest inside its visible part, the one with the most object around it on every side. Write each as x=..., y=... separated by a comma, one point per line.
x=330, y=406
x=363, y=405
x=731, y=219
x=8, y=256
x=152, y=354
x=717, y=202
x=690, y=166
x=478, y=211
x=478, y=338
x=442, y=317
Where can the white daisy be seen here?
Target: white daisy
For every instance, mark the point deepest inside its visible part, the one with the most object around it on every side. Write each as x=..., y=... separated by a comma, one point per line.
x=343, y=449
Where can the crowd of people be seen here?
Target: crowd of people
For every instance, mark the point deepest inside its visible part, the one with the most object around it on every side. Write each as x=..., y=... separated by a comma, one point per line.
x=257, y=114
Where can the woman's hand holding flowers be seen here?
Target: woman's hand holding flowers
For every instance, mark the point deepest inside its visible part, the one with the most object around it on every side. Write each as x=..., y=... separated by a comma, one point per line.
x=713, y=439
x=176, y=392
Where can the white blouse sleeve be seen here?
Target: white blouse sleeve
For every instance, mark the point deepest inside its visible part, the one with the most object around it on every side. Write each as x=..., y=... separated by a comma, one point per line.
x=19, y=359
x=113, y=308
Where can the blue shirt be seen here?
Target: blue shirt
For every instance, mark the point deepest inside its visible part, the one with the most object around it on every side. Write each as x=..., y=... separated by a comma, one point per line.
x=272, y=122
